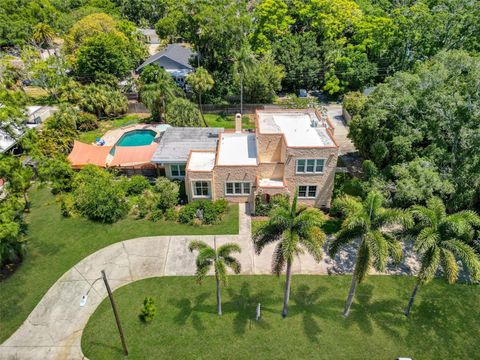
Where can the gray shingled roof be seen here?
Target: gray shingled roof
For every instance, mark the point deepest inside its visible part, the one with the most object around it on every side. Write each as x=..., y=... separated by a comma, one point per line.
x=177, y=142
x=174, y=52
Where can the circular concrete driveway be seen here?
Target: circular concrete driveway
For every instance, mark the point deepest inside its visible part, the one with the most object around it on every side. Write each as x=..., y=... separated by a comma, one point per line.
x=54, y=328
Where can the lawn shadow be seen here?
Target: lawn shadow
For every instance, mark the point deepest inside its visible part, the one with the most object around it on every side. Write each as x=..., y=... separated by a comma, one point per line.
x=244, y=304
x=190, y=310
x=308, y=304
x=367, y=313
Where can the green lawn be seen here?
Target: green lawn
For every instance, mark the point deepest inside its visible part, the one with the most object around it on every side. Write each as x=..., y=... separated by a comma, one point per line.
x=56, y=243
x=89, y=137
x=443, y=324
x=228, y=121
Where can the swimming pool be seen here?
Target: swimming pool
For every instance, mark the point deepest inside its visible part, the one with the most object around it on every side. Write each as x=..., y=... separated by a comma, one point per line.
x=137, y=138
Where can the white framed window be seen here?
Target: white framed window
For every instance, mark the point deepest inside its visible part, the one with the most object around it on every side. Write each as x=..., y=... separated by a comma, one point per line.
x=177, y=170
x=201, y=188
x=307, y=191
x=237, y=188
x=310, y=166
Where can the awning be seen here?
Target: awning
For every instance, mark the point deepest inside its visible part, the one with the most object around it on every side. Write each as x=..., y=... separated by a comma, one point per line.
x=84, y=154
x=128, y=156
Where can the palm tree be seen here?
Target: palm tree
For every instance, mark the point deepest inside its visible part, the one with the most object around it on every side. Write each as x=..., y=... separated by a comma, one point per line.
x=201, y=82
x=220, y=258
x=244, y=62
x=157, y=91
x=182, y=112
x=43, y=34
x=374, y=229
x=295, y=230
x=442, y=240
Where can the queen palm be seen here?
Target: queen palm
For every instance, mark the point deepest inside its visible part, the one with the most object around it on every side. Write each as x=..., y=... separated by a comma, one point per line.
x=201, y=81
x=440, y=241
x=373, y=229
x=155, y=95
x=43, y=34
x=244, y=62
x=295, y=230
x=220, y=259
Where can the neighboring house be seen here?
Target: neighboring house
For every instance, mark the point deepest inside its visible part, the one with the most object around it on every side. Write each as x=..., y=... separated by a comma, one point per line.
x=35, y=116
x=150, y=36
x=175, y=59
x=292, y=150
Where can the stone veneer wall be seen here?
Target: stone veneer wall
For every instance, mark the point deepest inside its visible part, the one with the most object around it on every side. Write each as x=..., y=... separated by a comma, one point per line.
x=323, y=181
x=194, y=176
x=269, y=147
x=223, y=174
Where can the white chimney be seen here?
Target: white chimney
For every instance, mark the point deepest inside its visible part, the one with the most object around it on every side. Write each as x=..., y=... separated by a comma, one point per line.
x=238, y=123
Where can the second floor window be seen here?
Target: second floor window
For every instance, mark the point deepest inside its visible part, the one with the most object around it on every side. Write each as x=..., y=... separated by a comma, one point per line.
x=178, y=170
x=310, y=166
x=237, y=188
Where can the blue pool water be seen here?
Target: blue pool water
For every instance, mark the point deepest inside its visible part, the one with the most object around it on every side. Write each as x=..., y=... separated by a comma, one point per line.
x=137, y=138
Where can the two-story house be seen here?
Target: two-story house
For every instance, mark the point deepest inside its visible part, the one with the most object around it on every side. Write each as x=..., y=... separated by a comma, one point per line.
x=291, y=150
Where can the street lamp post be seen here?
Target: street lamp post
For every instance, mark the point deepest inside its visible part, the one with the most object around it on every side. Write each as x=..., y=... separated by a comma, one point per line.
x=83, y=302
x=114, y=308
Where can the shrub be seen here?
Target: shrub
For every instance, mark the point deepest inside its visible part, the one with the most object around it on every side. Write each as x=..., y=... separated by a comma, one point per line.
x=146, y=203
x=210, y=215
x=67, y=205
x=148, y=311
x=221, y=206
x=167, y=192
x=171, y=214
x=211, y=211
x=98, y=197
x=187, y=213
x=156, y=215
x=263, y=208
x=86, y=122
x=136, y=185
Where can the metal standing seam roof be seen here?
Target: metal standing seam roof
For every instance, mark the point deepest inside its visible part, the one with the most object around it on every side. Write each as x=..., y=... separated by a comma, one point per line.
x=177, y=142
x=174, y=52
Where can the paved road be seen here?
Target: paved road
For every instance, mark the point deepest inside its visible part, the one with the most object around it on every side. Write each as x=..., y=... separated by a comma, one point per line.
x=54, y=328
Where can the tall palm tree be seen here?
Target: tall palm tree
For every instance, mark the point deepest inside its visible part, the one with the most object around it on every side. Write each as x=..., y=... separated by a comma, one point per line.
x=244, y=62
x=442, y=240
x=295, y=230
x=201, y=82
x=220, y=258
x=374, y=229
x=43, y=34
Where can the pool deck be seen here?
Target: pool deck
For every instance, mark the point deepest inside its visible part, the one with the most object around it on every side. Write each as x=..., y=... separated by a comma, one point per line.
x=111, y=137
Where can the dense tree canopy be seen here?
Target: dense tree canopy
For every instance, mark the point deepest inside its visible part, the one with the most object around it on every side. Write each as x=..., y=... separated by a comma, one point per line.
x=431, y=113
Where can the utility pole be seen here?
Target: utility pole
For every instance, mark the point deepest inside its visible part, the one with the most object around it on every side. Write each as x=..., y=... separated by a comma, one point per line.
x=114, y=308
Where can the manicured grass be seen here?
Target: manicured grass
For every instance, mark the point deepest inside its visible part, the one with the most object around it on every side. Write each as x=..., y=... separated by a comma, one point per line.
x=228, y=121
x=89, y=137
x=56, y=243
x=443, y=324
